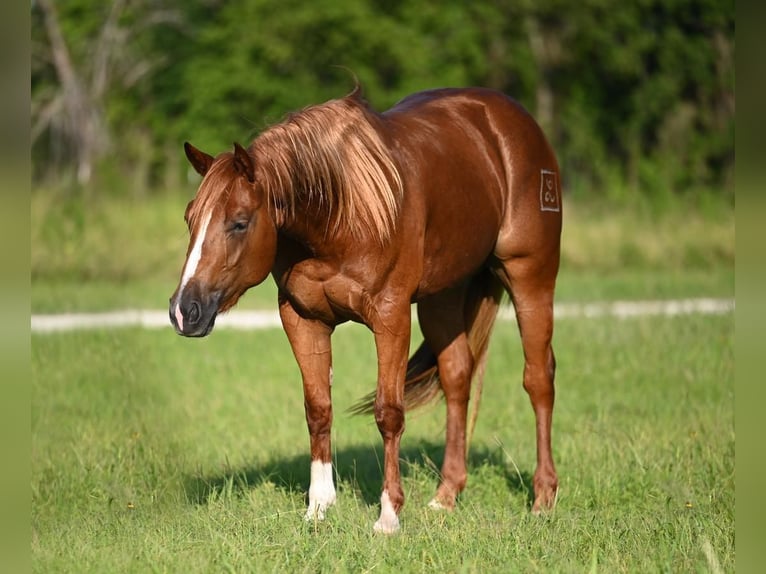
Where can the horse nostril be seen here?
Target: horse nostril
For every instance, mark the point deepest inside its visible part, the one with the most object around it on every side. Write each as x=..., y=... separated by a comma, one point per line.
x=194, y=313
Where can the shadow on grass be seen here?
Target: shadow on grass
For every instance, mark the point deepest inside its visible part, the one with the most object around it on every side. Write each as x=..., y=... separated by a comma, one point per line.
x=361, y=467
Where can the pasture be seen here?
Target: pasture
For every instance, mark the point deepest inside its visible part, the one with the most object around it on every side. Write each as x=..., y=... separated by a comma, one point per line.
x=151, y=452
x=155, y=453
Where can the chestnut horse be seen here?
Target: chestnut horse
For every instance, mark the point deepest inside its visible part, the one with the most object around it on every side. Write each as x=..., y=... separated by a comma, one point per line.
x=446, y=200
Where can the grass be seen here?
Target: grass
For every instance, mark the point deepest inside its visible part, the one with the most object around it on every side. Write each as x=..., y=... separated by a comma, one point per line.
x=155, y=453
x=104, y=253
x=151, y=452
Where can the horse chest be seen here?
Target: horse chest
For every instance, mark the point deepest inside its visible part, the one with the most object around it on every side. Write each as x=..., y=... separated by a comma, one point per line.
x=320, y=292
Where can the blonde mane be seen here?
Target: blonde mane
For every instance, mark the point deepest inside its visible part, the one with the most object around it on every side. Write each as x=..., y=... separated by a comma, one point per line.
x=332, y=155
x=210, y=191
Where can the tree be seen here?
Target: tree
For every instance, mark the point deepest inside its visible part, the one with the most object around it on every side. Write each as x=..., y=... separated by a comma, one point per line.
x=638, y=93
x=70, y=105
x=73, y=110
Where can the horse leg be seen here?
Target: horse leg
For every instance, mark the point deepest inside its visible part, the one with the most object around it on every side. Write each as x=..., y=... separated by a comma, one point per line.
x=392, y=339
x=310, y=341
x=442, y=322
x=531, y=285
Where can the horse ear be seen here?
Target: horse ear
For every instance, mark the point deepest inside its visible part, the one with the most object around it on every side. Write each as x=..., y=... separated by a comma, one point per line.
x=200, y=161
x=243, y=162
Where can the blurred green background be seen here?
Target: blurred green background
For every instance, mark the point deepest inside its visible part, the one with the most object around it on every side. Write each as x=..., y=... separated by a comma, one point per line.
x=637, y=99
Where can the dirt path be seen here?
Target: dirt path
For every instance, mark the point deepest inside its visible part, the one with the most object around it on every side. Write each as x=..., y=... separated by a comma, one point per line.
x=243, y=319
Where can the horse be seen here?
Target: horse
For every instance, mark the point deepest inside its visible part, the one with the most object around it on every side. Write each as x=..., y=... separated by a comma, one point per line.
x=447, y=200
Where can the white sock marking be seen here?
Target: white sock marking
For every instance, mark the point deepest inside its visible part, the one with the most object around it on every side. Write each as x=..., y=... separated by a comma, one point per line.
x=388, y=523
x=190, y=268
x=321, y=490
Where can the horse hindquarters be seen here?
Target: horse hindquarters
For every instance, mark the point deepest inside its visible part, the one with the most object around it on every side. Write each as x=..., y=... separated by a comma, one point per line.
x=526, y=259
x=527, y=263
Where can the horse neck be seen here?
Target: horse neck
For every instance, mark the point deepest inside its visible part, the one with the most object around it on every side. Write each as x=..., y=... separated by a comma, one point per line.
x=310, y=226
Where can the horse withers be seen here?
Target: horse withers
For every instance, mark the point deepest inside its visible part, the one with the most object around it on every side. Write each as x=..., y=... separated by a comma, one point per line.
x=448, y=200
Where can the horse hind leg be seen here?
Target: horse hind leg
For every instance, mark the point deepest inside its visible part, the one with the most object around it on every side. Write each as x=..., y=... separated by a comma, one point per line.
x=531, y=285
x=441, y=321
x=457, y=325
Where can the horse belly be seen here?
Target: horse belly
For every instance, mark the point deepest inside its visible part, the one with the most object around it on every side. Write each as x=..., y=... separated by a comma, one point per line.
x=459, y=238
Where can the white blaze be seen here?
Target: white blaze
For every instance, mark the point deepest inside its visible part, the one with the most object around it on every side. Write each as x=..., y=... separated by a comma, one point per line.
x=321, y=490
x=190, y=268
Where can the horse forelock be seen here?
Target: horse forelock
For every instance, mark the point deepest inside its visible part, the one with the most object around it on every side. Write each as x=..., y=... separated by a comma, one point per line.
x=214, y=189
x=333, y=155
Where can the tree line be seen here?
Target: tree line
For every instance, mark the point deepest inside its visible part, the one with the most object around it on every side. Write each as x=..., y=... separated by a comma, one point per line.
x=635, y=96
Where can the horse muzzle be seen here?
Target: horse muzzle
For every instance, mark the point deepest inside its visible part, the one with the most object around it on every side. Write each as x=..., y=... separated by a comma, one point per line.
x=192, y=315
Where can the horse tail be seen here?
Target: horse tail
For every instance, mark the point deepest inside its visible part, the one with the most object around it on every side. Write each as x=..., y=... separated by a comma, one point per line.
x=422, y=385
x=482, y=304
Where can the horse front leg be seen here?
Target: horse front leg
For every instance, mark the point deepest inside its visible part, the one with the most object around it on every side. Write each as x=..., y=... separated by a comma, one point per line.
x=392, y=341
x=310, y=341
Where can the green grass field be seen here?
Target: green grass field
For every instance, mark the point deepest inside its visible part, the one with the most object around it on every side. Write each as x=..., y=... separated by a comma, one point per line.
x=154, y=453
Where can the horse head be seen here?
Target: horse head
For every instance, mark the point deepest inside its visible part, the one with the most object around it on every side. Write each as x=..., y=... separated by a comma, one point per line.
x=232, y=240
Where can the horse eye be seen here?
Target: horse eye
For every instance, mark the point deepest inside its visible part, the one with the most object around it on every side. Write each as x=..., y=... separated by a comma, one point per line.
x=239, y=226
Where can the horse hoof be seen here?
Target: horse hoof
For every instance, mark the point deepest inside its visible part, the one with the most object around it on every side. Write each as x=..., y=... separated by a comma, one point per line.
x=438, y=503
x=386, y=525
x=314, y=514
x=316, y=511
x=545, y=503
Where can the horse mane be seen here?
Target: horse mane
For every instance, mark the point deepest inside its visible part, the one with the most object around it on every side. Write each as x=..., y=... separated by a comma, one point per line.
x=210, y=191
x=331, y=154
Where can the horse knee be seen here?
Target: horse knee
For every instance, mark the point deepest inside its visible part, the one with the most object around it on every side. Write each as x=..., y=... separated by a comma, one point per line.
x=390, y=419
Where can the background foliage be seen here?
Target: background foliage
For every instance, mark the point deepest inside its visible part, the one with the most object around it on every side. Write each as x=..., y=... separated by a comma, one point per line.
x=636, y=97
